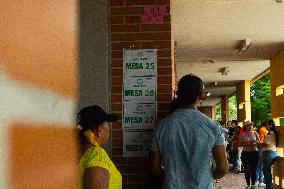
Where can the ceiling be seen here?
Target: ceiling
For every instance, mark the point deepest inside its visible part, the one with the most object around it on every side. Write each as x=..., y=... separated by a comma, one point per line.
x=208, y=34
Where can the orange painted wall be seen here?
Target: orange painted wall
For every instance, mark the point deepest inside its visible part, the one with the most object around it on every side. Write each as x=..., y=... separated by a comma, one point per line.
x=276, y=80
x=38, y=43
x=243, y=96
x=225, y=109
x=42, y=156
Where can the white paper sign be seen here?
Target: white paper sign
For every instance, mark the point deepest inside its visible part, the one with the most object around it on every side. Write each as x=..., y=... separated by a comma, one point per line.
x=136, y=143
x=140, y=62
x=139, y=100
x=139, y=115
x=146, y=94
x=139, y=81
x=140, y=75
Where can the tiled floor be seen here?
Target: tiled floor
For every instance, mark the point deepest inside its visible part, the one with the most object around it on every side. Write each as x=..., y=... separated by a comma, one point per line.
x=233, y=181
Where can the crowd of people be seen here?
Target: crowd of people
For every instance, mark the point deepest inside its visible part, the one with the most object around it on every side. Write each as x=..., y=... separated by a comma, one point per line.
x=252, y=150
x=189, y=150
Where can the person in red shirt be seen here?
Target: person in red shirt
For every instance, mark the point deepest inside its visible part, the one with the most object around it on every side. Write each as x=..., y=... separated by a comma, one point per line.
x=234, y=142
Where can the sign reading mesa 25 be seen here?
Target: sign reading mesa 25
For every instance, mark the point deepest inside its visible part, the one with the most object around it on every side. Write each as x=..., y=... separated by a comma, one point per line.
x=140, y=62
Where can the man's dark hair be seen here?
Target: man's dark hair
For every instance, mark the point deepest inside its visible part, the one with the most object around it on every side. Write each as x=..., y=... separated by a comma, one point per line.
x=175, y=104
x=189, y=87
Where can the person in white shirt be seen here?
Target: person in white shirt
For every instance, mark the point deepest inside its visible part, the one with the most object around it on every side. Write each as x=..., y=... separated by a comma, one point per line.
x=269, y=152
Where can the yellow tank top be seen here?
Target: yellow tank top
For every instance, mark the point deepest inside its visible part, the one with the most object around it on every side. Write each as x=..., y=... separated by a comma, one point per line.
x=97, y=156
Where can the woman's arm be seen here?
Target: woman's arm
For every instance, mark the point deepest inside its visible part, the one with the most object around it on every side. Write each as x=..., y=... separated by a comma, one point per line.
x=257, y=137
x=156, y=164
x=220, y=158
x=96, y=178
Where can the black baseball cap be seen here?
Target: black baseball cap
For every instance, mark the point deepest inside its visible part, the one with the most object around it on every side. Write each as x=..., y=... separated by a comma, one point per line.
x=92, y=116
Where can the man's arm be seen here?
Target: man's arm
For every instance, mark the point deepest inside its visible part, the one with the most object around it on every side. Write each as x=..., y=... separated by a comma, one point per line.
x=156, y=164
x=219, y=155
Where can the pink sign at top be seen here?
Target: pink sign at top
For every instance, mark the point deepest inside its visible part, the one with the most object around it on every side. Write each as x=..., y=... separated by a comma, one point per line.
x=154, y=14
x=152, y=19
x=155, y=9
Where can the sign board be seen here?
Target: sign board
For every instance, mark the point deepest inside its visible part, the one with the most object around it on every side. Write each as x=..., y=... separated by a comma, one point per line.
x=154, y=14
x=140, y=88
x=139, y=115
x=152, y=19
x=136, y=143
x=139, y=100
x=139, y=62
x=155, y=9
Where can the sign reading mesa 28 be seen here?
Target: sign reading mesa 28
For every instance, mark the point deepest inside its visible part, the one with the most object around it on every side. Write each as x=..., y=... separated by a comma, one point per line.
x=140, y=88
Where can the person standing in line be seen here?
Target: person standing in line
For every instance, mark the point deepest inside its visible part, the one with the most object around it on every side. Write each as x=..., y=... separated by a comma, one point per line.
x=229, y=134
x=155, y=181
x=249, y=140
x=269, y=152
x=259, y=173
x=96, y=170
x=234, y=141
x=225, y=133
x=185, y=142
x=240, y=148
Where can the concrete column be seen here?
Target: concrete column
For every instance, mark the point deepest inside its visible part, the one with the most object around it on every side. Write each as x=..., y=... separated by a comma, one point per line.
x=214, y=112
x=94, y=52
x=94, y=63
x=277, y=87
x=243, y=101
x=277, y=110
x=225, y=109
x=127, y=30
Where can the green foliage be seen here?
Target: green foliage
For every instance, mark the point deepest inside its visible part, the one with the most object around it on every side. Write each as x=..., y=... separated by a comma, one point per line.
x=260, y=100
x=218, y=112
x=233, y=108
x=281, y=121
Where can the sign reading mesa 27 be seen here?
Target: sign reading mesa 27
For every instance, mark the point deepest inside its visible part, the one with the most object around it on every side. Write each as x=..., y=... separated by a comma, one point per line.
x=139, y=115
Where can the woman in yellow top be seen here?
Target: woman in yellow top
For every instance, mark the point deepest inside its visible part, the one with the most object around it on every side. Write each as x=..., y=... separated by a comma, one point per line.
x=96, y=168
